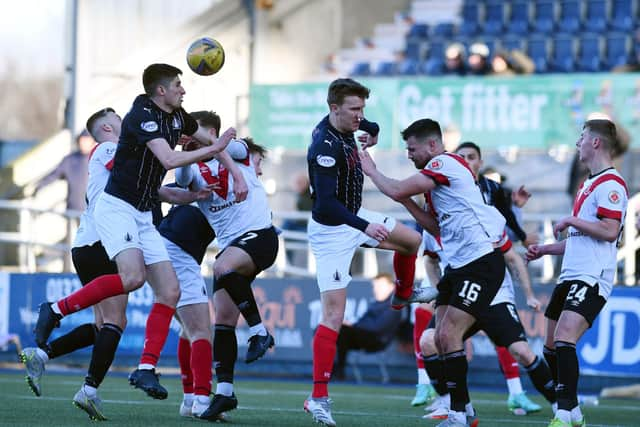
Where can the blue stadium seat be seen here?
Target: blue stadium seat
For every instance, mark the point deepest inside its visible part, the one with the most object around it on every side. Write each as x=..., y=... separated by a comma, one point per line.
x=361, y=69
x=544, y=16
x=494, y=17
x=590, y=53
x=434, y=64
x=470, y=19
x=443, y=29
x=538, y=52
x=408, y=67
x=617, y=50
x=414, y=49
x=569, y=16
x=596, y=18
x=621, y=15
x=519, y=19
x=386, y=68
x=562, y=57
x=418, y=31
x=511, y=42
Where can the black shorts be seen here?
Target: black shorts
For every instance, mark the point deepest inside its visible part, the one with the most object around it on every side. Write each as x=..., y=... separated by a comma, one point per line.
x=91, y=262
x=576, y=296
x=260, y=245
x=501, y=323
x=471, y=288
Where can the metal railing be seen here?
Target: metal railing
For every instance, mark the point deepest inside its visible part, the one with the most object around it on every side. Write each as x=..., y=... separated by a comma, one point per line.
x=294, y=257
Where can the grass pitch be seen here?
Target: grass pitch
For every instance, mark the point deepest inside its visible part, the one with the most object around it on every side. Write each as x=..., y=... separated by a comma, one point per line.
x=263, y=403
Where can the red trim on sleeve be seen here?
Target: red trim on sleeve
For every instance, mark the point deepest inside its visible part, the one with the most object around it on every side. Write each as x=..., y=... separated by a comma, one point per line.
x=608, y=213
x=462, y=161
x=583, y=196
x=437, y=177
x=109, y=165
x=431, y=254
x=507, y=245
x=246, y=161
x=93, y=150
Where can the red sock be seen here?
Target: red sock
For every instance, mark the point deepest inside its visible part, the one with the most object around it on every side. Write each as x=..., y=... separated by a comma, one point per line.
x=156, y=332
x=507, y=363
x=324, y=351
x=423, y=317
x=201, y=361
x=184, y=360
x=404, y=266
x=92, y=293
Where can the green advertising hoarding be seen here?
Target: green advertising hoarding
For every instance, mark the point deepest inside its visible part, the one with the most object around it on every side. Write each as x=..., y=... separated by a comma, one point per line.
x=532, y=112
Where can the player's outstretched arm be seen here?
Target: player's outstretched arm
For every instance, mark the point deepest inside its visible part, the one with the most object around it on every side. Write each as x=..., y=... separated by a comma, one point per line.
x=536, y=251
x=518, y=270
x=171, y=159
x=180, y=196
x=422, y=217
x=606, y=229
x=397, y=190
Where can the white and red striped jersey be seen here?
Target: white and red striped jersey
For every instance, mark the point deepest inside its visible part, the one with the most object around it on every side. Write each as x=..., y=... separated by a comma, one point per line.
x=586, y=258
x=467, y=225
x=100, y=164
x=228, y=218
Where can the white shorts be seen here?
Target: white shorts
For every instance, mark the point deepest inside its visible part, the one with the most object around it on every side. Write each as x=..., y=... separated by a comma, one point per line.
x=333, y=246
x=121, y=226
x=193, y=290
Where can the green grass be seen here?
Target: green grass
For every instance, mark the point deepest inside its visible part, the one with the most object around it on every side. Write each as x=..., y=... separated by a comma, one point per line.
x=263, y=403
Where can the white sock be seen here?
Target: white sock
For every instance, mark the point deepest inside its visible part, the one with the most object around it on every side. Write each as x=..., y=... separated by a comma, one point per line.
x=460, y=417
x=187, y=397
x=563, y=415
x=201, y=398
x=258, y=329
x=43, y=355
x=225, y=389
x=423, y=377
x=576, y=414
x=514, y=385
x=554, y=407
x=146, y=366
x=90, y=391
x=56, y=309
x=469, y=409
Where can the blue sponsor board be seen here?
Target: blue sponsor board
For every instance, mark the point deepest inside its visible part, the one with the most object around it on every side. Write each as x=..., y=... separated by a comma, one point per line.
x=291, y=310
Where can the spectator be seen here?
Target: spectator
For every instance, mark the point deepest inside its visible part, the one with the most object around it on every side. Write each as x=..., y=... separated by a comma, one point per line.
x=74, y=169
x=454, y=59
x=478, y=61
x=510, y=63
x=375, y=330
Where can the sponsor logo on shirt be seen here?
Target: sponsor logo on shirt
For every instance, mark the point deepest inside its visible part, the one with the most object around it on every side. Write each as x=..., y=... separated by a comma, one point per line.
x=325, y=161
x=149, y=126
x=614, y=197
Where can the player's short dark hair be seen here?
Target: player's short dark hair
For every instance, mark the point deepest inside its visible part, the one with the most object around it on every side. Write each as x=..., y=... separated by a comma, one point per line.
x=341, y=88
x=253, y=147
x=469, y=144
x=605, y=129
x=208, y=119
x=91, y=121
x=421, y=129
x=158, y=75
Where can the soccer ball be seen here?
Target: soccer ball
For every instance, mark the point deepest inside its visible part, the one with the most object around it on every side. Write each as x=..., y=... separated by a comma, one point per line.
x=205, y=56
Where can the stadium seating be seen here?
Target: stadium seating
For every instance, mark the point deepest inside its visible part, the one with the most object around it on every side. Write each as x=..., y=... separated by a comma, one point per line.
x=560, y=36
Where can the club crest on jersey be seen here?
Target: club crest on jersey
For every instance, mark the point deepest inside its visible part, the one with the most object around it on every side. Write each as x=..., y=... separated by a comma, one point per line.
x=435, y=164
x=149, y=126
x=325, y=161
x=614, y=197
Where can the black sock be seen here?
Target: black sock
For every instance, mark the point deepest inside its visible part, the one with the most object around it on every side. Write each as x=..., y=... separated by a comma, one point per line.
x=552, y=360
x=541, y=378
x=239, y=289
x=103, y=352
x=455, y=373
x=434, y=368
x=81, y=337
x=568, y=372
x=225, y=352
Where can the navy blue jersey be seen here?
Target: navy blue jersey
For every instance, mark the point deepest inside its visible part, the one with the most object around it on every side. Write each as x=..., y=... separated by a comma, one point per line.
x=186, y=226
x=336, y=177
x=137, y=173
x=495, y=194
